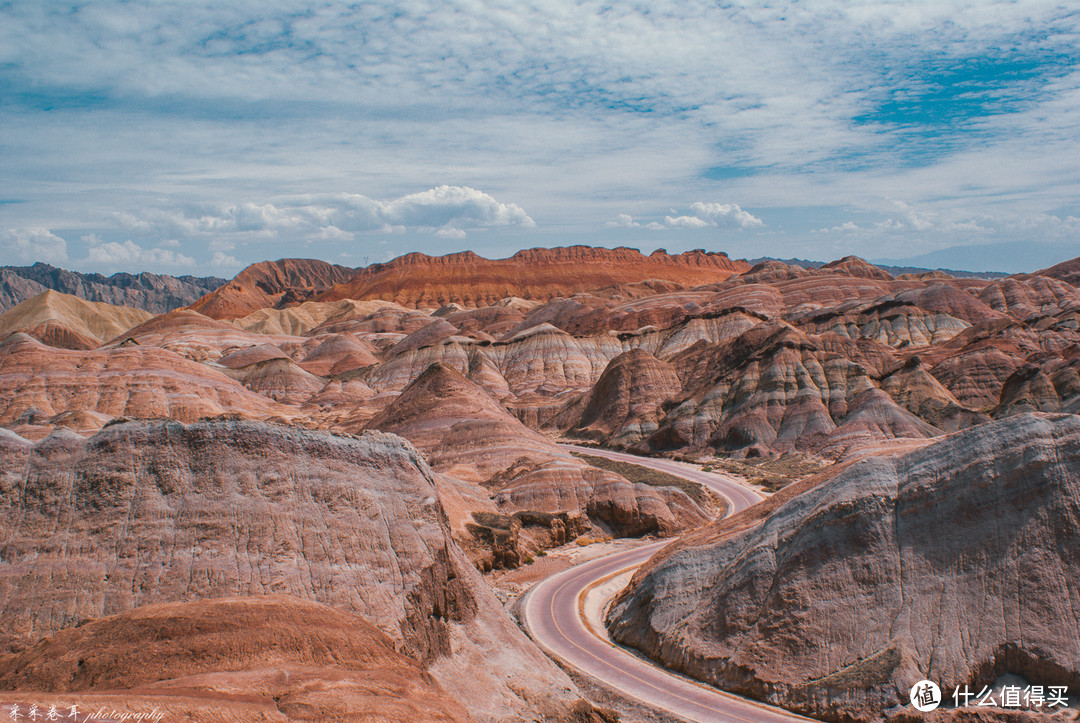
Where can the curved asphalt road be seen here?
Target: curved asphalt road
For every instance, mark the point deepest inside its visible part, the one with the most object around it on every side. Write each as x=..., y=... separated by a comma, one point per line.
x=551, y=611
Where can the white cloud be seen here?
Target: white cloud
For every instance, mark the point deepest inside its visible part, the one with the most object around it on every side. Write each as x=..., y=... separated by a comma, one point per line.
x=333, y=233
x=130, y=255
x=224, y=261
x=969, y=225
x=701, y=215
x=846, y=227
x=338, y=217
x=457, y=206
x=29, y=245
x=911, y=218
x=450, y=232
x=575, y=109
x=727, y=212
x=623, y=220
x=686, y=222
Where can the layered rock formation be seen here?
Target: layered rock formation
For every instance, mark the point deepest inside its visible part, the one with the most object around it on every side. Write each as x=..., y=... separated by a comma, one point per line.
x=338, y=363
x=467, y=435
x=775, y=388
x=625, y=404
x=68, y=322
x=143, y=513
x=953, y=563
x=268, y=284
x=155, y=293
x=259, y=658
x=461, y=429
x=133, y=381
x=301, y=319
x=418, y=280
x=1067, y=271
x=674, y=354
x=197, y=337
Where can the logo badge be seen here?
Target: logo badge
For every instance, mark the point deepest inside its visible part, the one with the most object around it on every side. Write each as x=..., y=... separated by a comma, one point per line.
x=925, y=696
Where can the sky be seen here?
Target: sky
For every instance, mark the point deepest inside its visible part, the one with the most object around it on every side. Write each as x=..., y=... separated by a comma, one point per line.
x=197, y=137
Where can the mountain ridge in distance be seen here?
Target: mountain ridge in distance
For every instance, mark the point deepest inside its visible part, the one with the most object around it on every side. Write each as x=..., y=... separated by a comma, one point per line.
x=156, y=293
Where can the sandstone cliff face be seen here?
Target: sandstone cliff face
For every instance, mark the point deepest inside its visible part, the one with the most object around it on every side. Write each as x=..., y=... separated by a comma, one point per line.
x=150, y=513
x=301, y=319
x=282, y=380
x=461, y=429
x=949, y=298
x=338, y=354
x=890, y=322
x=1067, y=271
x=1053, y=386
x=917, y=390
x=1031, y=297
x=954, y=562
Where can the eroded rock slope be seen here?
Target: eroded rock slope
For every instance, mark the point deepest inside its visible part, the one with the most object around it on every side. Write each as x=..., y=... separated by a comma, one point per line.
x=954, y=563
x=146, y=513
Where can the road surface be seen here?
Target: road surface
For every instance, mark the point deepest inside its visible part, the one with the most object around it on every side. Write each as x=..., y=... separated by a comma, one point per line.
x=553, y=612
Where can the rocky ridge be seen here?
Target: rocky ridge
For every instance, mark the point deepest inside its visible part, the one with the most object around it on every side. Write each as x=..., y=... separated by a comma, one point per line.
x=269, y=284
x=337, y=364
x=155, y=293
x=834, y=598
x=544, y=497
x=68, y=322
x=417, y=280
x=171, y=513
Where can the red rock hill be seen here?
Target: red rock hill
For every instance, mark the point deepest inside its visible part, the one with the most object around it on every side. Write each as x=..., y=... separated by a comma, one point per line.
x=270, y=283
x=418, y=280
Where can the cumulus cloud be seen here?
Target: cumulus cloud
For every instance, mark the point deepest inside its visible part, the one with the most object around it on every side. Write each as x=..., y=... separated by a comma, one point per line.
x=130, y=255
x=686, y=222
x=909, y=217
x=454, y=206
x=591, y=104
x=224, y=260
x=29, y=245
x=725, y=212
x=623, y=220
x=450, y=232
x=447, y=211
x=700, y=215
x=846, y=227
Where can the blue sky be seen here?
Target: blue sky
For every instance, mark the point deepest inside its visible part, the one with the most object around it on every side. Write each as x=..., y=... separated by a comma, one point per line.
x=198, y=137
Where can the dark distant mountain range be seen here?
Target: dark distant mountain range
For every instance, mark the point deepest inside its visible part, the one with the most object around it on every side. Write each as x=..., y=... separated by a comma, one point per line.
x=156, y=293
x=1013, y=256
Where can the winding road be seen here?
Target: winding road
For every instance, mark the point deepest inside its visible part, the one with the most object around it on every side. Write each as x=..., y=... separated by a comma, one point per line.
x=554, y=613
